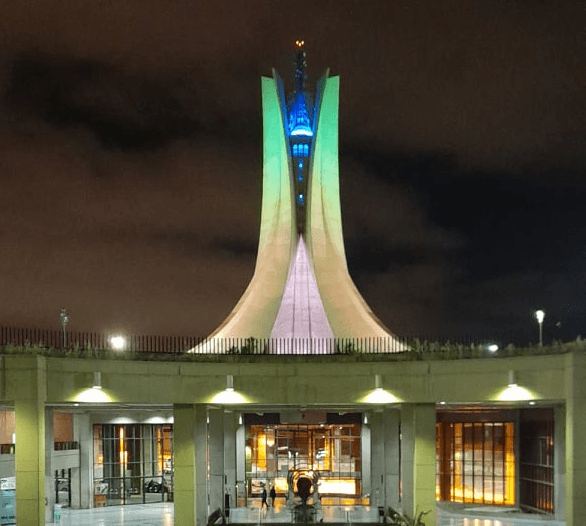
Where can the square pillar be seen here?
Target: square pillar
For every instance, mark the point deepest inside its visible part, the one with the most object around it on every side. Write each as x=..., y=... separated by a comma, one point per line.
x=366, y=455
x=384, y=460
x=49, y=472
x=418, y=460
x=29, y=379
x=83, y=433
x=407, y=436
x=216, y=458
x=241, y=492
x=186, y=417
x=202, y=503
x=377, y=460
x=424, y=461
x=230, y=422
x=392, y=457
x=559, y=462
x=30, y=462
x=575, y=454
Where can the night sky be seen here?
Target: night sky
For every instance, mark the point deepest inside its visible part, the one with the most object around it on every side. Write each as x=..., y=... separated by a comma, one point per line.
x=131, y=168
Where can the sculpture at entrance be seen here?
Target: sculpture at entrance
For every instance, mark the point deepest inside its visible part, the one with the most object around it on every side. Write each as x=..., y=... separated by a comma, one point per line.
x=303, y=485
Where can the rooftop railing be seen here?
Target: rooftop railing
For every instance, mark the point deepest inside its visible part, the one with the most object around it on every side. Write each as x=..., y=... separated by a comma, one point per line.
x=104, y=345
x=54, y=339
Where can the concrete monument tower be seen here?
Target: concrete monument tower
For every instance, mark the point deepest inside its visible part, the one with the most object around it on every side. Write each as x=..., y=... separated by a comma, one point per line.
x=301, y=295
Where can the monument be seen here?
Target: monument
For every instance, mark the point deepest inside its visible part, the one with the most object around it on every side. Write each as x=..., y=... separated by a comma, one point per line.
x=301, y=298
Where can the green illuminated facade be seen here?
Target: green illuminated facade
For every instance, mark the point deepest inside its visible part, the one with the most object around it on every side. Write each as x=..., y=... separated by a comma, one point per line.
x=301, y=288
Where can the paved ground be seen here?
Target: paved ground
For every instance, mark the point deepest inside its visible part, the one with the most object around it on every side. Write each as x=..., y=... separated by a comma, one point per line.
x=161, y=514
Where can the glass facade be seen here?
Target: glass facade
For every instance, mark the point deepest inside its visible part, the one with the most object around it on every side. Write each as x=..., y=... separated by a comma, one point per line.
x=475, y=462
x=133, y=463
x=333, y=451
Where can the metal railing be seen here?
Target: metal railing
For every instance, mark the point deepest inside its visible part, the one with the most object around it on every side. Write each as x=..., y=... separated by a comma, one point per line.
x=92, y=344
x=80, y=341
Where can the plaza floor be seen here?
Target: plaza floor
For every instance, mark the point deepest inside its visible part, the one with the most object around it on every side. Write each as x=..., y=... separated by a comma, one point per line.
x=162, y=515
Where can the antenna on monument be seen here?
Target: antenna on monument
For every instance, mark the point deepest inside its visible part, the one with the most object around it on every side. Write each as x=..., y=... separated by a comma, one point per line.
x=300, y=65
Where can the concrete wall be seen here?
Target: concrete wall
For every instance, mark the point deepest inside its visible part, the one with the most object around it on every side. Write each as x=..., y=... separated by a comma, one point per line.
x=298, y=380
x=412, y=387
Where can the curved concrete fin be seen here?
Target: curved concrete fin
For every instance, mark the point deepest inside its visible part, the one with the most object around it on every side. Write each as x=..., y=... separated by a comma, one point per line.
x=347, y=312
x=255, y=313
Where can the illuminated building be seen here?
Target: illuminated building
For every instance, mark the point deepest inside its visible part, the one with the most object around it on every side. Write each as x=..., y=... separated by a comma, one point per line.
x=373, y=429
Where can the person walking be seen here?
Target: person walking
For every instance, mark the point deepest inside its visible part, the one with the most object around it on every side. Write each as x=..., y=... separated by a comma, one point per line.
x=264, y=497
x=273, y=495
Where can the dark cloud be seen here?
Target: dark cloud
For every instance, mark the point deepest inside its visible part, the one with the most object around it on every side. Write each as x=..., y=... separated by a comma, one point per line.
x=131, y=158
x=124, y=110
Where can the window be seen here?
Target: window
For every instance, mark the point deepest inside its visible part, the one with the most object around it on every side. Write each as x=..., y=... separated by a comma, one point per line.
x=332, y=450
x=475, y=462
x=133, y=463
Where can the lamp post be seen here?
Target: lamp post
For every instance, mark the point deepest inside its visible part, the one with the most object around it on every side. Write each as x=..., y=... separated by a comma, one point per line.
x=539, y=314
x=64, y=320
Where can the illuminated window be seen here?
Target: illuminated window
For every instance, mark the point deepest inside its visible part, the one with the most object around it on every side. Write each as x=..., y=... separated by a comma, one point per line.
x=332, y=450
x=305, y=150
x=295, y=150
x=475, y=462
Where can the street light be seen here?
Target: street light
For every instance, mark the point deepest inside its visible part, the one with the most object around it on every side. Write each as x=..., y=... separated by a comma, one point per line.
x=64, y=321
x=539, y=314
x=118, y=343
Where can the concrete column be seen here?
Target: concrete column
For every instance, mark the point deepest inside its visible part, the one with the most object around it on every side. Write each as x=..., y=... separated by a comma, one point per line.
x=230, y=423
x=407, y=437
x=201, y=466
x=184, y=417
x=49, y=472
x=148, y=451
x=377, y=459
x=365, y=443
x=83, y=477
x=575, y=375
x=424, y=461
x=418, y=460
x=559, y=462
x=29, y=407
x=241, y=464
x=391, y=458
x=216, y=459
x=30, y=462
